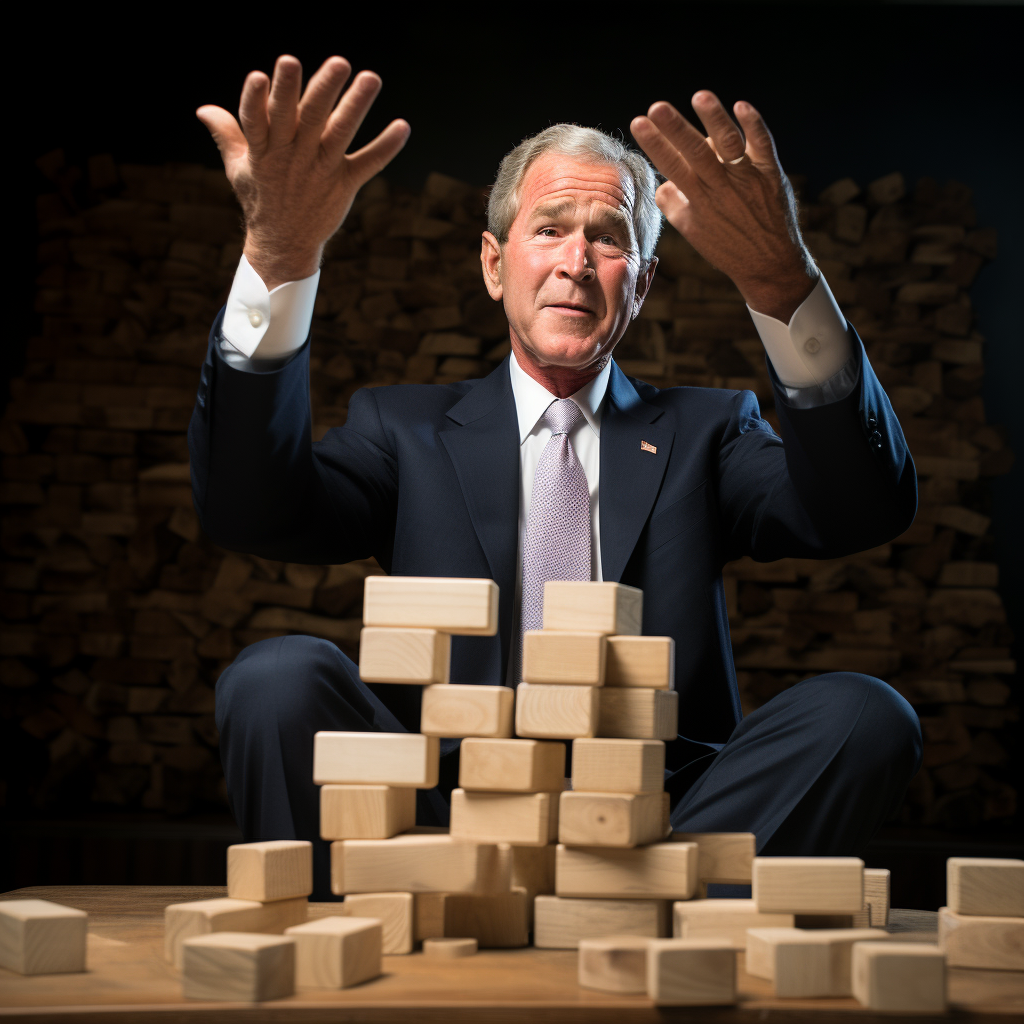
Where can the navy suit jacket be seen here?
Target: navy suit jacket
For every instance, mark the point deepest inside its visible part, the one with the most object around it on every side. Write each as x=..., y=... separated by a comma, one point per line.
x=425, y=478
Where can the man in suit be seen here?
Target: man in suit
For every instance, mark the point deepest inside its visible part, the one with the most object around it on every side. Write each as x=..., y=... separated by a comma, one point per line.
x=556, y=465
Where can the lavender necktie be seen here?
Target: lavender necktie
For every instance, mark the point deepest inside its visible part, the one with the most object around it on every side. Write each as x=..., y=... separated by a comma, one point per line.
x=557, y=545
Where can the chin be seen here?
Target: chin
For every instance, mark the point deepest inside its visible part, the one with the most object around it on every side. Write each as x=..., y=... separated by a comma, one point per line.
x=570, y=352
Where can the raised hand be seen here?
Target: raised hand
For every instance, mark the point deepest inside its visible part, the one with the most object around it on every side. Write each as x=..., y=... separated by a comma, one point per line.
x=728, y=196
x=288, y=164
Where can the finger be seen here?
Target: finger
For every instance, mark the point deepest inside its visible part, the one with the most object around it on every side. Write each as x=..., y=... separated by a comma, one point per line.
x=663, y=154
x=673, y=204
x=284, y=100
x=349, y=114
x=376, y=155
x=760, y=144
x=690, y=142
x=225, y=131
x=721, y=129
x=321, y=94
x=252, y=110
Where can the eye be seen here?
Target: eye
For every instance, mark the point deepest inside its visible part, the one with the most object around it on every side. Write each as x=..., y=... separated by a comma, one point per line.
x=552, y=230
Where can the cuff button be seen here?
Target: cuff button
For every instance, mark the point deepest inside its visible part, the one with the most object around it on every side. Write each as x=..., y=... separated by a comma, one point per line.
x=875, y=438
x=255, y=317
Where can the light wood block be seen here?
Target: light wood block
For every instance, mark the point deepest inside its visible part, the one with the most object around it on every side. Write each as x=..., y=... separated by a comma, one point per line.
x=238, y=967
x=996, y=943
x=665, y=871
x=808, y=885
x=496, y=920
x=527, y=819
x=40, y=937
x=532, y=872
x=279, y=869
x=610, y=608
x=610, y=819
x=618, y=766
x=876, y=900
x=381, y=758
x=204, y=917
x=557, y=712
x=417, y=863
x=467, y=710
x=466, y=607
x=449, y=949
x=722, y=919
x=647, y=661
x=614, y=964
x=416, y=656
x=337, y=952
x=688, y=972
x=521, y=766
x=806, y=964
x=569, y=658
x=366, y=812
x=899, y=976
x=394, y=910
x=560, y=923
x=985, y=886
x=724, y=858
x=638, y=714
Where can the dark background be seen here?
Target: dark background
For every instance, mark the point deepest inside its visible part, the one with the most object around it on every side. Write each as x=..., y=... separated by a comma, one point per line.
x=847, y=89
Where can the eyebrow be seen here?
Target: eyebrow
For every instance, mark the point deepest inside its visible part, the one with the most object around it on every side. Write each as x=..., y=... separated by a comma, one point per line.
x=564, y=206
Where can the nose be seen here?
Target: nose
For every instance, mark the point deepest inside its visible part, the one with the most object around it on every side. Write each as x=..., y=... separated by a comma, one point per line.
x=577, y=259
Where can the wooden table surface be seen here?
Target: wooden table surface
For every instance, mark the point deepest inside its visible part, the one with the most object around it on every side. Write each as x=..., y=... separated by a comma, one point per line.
x=128, y=979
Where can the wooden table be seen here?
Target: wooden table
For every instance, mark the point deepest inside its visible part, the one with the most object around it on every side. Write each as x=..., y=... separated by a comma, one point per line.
x=128, y=979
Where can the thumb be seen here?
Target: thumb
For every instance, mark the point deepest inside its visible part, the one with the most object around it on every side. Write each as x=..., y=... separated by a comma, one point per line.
x=225, y=131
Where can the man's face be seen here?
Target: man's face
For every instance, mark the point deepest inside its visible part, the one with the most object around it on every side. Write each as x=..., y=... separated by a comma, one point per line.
x=568, y=274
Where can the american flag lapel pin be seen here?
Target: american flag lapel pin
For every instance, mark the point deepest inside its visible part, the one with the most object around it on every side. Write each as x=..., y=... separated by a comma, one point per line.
x=646, y=446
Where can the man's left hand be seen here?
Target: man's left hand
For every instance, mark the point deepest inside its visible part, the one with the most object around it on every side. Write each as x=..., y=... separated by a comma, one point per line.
x=729, y=198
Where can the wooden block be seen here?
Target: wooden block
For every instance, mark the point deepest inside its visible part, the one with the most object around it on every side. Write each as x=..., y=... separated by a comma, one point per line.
x=531, y=871
x=337, y=952
x=985, y=886
x=366, y=812
x=383, y=758
x=467, y=710
x=996, y=943
x=809, y=885
x=899, y=976
x=394, y=910
x=466, y=607
x=806, y=964
x=560, y=923
x=665, y=871
x=523, y=766
x=689, y=972
x=609, y=608
x=40, y=937
x=449, y=949
x=610, y=819
x=556, y=712
x=240, y=967
x=527, y=819
x=280, y=869
x=647, y=661
x=418, y=656
x=876, y=898
x=614, y=964
x=725, y=858
x=204, y=917
x=638, y=714
x=496, y=920
x=722, y=919
x=618, y=766
x=417, y=863
x=568, y=658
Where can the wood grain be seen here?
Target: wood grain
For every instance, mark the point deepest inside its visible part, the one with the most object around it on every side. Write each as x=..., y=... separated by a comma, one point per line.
x=808, y=885
x=614, y=964
x=726, y=858
x=560, y=923
x=691, y=972
x=337, y=952
x=514, y=765
x=278, y=869
x=525, y=819
x=618, y=765
x=995, y=943
x=556, y=712
x=380, y=758
x=238, y=967
x=987, y=886
x=457, y=710
x=466, y=607
x=366, y=812
x=496, y=920
x=722, y=919
x=899, y=977
x=610, y=819
x=449, y=949
x=394, y=910
x=610, y=608
x=647, y=661
x=659, y=871
x=567, y=658
x=416, y=656
x=41, y=937
x=635, y=713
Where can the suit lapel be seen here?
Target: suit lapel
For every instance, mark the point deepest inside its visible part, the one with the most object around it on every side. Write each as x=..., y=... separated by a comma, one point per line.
x=631, y=473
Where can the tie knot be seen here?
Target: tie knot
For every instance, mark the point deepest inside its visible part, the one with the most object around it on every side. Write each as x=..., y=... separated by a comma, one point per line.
x=562, y=415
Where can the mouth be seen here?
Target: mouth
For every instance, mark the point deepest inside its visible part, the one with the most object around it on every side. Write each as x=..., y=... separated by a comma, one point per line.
x=572, y=308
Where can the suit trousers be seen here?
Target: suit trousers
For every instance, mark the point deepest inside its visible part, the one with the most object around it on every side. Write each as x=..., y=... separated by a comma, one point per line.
x=814, y=772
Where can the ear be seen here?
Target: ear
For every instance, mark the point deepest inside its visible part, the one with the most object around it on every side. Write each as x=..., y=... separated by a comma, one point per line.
x=643, y=286
x=490, y=261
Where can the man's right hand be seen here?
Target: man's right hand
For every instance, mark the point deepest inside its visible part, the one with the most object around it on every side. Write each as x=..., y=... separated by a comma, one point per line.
x=287, y=162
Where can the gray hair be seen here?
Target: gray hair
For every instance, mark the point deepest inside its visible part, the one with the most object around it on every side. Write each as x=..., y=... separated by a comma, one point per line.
x=574, y=140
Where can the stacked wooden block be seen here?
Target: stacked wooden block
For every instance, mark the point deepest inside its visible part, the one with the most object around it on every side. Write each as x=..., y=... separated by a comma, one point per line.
x=982, y=924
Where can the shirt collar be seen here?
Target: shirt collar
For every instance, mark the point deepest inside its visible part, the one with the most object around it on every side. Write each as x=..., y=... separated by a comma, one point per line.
x=533, y=399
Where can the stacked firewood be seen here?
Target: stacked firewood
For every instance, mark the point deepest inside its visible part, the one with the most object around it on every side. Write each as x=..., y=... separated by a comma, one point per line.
x=118, y=614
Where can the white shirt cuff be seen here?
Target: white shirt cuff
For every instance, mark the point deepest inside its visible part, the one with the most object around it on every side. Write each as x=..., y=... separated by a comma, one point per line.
x=814, y=346
x=264, y=324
